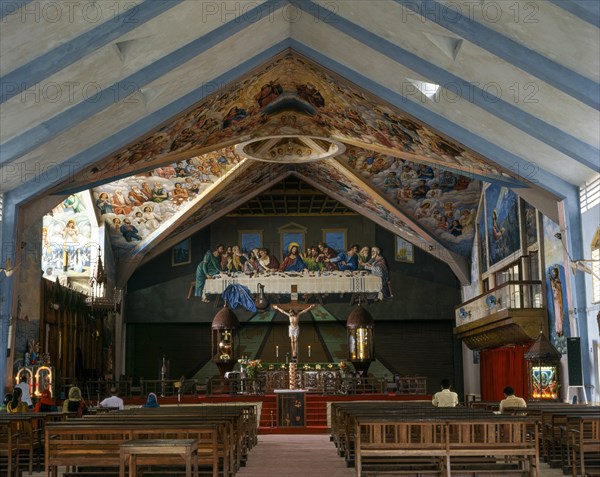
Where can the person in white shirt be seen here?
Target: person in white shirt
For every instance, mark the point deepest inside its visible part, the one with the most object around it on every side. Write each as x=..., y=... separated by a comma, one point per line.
x=113, y=400
x=445, y=398
x=26, y=396
x=510, y=400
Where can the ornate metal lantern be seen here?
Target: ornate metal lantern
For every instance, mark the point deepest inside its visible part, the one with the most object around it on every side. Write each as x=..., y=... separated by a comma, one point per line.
x=361, y=349
x=542, y=362
x=225, y=327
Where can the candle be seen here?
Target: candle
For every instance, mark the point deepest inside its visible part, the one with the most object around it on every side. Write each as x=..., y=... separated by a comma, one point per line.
x=309, y=351
x=277, y=351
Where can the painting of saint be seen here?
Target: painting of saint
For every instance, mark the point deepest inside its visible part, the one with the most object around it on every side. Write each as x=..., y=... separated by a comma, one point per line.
x=557, y=299
x=503, y=223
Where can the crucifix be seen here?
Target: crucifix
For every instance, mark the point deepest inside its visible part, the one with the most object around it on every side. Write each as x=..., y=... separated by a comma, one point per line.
x=293, y=311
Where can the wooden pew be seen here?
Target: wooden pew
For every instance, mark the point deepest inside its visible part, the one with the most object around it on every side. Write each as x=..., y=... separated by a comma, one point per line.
x=237, y=439
x=97, y=444
x=584, y=439
x=23, y=433
x=498, y=443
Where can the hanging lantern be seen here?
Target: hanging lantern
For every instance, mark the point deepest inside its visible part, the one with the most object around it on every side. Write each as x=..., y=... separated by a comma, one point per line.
x=225, y=327
x=361, y=349
x=542, y=362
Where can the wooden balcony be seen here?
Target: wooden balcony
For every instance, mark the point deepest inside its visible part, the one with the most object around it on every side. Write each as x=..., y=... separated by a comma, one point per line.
x=511, y=313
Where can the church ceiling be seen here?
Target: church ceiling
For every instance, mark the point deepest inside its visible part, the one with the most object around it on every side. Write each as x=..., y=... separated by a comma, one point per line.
x=459, y=99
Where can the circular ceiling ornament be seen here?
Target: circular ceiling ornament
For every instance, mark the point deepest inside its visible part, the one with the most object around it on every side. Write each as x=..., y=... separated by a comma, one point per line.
x=290, y=149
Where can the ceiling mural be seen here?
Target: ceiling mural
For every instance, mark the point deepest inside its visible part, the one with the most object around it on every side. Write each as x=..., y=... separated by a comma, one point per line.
x=442, y=202
x=291, y=95
x=331, y=179
x=416, y=169
x=136, y=207
x=238, y=188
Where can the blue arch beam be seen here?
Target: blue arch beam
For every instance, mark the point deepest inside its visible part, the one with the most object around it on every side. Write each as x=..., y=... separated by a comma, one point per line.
x=68, y=53
x=22, y=144
x=586, y=10
x=548, y=134
x=553, y=73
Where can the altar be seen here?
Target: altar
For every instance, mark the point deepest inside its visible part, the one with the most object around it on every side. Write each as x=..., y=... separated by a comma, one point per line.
x=291, y=407
x=306, y=283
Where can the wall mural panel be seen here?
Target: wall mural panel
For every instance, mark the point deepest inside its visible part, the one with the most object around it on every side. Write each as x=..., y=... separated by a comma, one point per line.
x=442, y=202
x=69, y=238
x=530, y=224
x=135, y=207
x=556, y=286
x=483, y=245
x=502, y=211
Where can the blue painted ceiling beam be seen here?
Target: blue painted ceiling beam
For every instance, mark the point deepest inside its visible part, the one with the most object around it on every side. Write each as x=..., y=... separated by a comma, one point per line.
x=518, y=167
x=553, y=73
x=584, y=153
x=27, y=141
x=586, y=10
x=35, y=187
x=11, y=7
x=115, y=26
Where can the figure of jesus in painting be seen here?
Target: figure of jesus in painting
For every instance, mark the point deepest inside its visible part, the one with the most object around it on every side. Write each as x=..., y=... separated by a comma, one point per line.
x=294, y=328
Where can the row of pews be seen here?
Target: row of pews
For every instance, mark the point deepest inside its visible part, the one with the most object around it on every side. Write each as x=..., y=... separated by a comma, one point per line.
x=414, y=438
x=224, y=435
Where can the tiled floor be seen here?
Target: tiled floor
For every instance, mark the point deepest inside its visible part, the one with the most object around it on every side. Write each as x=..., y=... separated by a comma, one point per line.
x=304, y=455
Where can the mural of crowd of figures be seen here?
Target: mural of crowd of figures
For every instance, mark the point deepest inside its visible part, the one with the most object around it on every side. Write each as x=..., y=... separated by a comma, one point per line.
x=69, y=238
x=443, y=202
x=323, y=106
x=134, y=207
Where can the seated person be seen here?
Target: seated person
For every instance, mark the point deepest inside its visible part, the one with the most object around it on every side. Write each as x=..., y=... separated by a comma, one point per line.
x=510, y=400
x=268, y=262
x=346, y=260
x=293, y=261
x=46, y=403
x=114, y=401
x=326, y=253
x=445, y=397
x=75, y=403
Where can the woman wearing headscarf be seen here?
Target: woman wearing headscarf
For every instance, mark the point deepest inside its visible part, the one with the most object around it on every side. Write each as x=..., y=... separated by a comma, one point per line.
x=151, y=401
x=46, y=403
x=16, y=405
x=75, y=402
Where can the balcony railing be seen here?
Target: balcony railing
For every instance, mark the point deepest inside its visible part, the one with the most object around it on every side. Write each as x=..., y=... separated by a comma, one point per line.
x=511, y=294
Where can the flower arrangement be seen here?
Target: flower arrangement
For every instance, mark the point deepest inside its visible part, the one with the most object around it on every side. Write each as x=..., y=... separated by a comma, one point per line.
x=252, y=366
x=342, y=365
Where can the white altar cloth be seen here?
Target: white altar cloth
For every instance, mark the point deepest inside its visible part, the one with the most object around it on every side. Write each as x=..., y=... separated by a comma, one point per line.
x=281, y=283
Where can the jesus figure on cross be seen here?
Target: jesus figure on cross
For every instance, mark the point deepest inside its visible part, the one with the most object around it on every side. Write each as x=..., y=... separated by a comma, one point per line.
x=294, y=329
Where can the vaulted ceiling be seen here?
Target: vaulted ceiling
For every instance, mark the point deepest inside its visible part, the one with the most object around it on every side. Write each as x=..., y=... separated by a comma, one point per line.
x=345, y=96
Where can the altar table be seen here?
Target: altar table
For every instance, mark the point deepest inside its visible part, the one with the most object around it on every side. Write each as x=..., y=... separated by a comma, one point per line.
x=291, y=405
